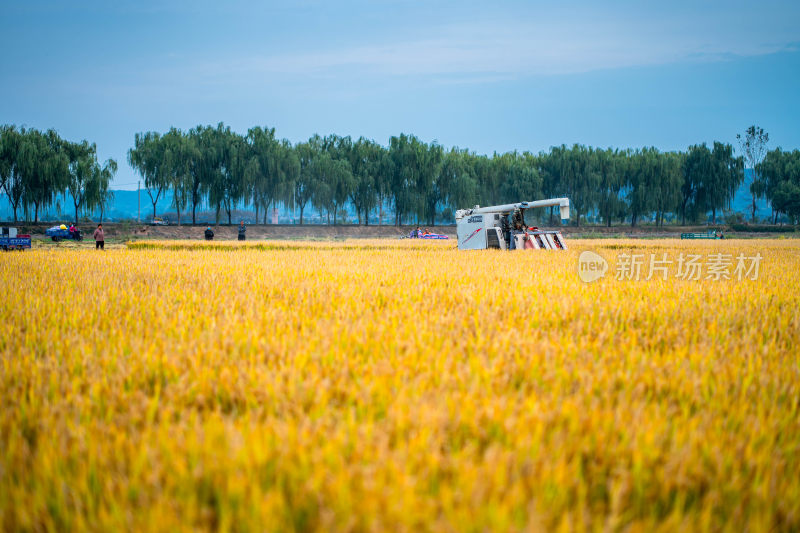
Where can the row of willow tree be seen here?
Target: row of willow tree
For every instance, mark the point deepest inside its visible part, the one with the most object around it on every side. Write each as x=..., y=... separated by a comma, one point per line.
x=38, y=167
x=421, y=182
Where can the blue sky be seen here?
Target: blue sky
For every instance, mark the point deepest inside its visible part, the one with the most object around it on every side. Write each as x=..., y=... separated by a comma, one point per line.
x=487, y=76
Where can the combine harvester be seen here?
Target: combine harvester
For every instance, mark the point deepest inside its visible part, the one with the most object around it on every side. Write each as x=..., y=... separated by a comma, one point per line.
x=480, y=228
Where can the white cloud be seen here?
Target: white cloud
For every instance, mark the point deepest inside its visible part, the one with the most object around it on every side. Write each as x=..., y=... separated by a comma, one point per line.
x=545, y=46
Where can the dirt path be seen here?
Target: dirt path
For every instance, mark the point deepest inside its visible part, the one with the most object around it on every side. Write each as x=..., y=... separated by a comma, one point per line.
x=121, y=232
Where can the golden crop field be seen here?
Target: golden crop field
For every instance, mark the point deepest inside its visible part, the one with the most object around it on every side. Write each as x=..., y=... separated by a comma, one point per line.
x=378, y=385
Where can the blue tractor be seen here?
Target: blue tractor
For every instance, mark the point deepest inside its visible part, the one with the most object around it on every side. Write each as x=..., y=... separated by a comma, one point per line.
x=60, y=233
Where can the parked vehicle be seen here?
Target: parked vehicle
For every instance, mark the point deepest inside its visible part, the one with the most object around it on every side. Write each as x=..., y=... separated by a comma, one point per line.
x=60, y=233
x=11, y=240
x=710, y=234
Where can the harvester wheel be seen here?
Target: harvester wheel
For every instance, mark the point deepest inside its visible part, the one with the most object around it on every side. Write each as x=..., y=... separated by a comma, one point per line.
x=56, y=239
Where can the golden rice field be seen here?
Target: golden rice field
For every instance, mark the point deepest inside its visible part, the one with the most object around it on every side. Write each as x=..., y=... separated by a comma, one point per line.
x=396, y=386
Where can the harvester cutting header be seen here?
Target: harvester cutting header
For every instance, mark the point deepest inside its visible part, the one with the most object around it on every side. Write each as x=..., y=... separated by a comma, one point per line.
x=480, y=228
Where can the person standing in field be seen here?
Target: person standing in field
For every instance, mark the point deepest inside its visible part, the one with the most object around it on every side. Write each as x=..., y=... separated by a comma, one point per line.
x=99, y=238
x=242, y=230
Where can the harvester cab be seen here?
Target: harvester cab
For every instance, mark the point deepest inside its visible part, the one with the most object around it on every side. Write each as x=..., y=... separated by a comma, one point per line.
x=480, y=228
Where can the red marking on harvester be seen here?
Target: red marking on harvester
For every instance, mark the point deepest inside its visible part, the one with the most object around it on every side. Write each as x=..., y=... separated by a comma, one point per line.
x=471, y=235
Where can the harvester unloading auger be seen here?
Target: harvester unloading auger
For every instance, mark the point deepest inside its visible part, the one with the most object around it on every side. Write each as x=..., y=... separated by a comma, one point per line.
x=489, y=227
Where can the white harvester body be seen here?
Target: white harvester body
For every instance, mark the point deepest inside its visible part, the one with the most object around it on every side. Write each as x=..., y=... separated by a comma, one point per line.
x=480, y=228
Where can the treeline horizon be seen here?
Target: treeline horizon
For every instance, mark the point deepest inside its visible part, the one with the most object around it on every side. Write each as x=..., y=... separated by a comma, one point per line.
x=422, y=182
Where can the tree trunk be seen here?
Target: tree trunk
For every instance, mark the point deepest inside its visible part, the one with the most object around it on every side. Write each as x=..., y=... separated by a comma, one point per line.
x=35, y=213
x=227, y=209
x=301, y=215
x=256, y=206
x=14, y=206
x=753, y=213
x=194, y=209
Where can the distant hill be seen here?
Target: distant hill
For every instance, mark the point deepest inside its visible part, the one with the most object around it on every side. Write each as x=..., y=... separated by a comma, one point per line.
x=123, y=206
x=126, y=202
